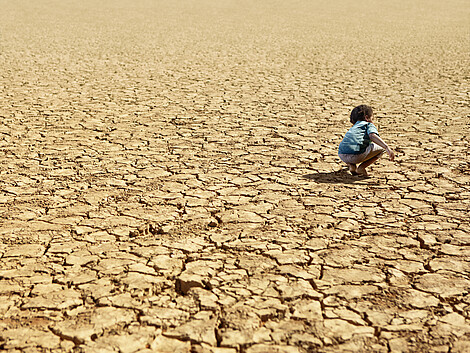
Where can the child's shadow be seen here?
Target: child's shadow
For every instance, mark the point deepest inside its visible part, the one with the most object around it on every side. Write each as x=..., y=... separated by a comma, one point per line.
x=336, y=177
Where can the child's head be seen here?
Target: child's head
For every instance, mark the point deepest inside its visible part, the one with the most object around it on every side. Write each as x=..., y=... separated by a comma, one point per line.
x=361, y=113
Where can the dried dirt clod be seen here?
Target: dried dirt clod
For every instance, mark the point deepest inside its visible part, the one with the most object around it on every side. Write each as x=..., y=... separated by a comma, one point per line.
x=187, y=280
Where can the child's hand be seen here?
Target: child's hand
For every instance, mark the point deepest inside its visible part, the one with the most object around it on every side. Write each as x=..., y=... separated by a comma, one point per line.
x=391, y=154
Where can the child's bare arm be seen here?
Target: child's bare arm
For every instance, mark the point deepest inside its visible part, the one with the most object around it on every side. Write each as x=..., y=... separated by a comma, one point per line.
x=376, y=139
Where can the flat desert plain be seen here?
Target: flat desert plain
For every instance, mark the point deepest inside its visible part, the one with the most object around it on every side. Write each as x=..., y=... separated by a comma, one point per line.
x=169, y=178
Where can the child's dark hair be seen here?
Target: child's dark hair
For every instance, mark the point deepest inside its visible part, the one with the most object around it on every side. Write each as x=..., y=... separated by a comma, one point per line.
x=361, y=113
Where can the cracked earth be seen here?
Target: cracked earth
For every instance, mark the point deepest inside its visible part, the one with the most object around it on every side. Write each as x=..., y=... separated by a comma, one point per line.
x=169, y=179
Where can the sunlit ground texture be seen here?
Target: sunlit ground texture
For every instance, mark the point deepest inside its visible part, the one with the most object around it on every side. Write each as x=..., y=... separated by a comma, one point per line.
x=169, y=179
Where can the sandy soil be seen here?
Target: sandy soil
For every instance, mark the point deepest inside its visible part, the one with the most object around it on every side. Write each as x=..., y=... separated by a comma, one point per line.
x=169, y=179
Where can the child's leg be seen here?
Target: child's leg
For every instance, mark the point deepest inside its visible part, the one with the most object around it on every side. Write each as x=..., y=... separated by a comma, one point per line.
x=372, y=157
x=362, y=167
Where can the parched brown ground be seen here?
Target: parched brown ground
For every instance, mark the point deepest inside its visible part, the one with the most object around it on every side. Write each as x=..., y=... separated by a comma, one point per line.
x=169, y=179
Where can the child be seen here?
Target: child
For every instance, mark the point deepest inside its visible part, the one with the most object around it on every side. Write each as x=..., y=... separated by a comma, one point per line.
x=362, y=143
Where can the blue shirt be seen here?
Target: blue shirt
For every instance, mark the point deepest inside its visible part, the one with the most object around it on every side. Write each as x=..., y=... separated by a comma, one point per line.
x=357, y=138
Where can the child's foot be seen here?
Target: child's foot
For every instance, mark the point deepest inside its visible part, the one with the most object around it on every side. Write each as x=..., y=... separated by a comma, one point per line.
x=352, y=169
x=362, y=171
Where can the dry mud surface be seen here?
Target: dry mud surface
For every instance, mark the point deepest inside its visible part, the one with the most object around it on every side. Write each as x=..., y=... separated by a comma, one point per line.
x=169, y=179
